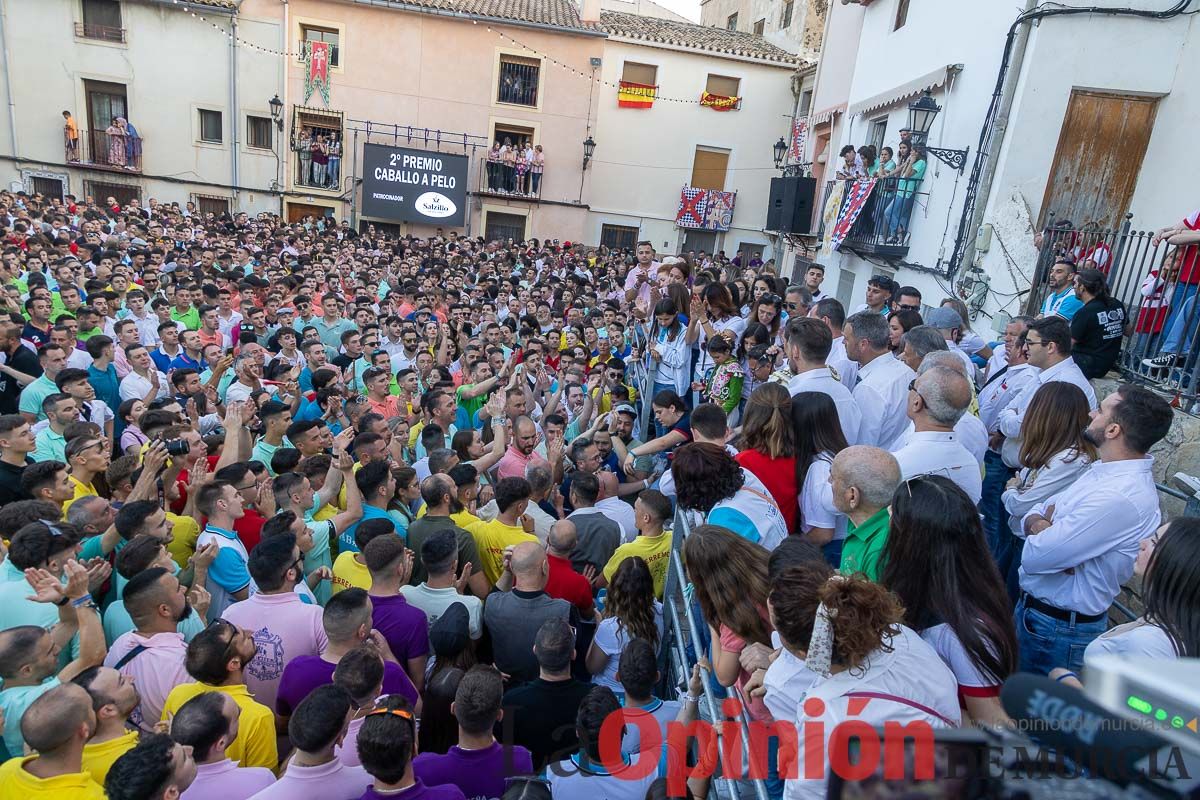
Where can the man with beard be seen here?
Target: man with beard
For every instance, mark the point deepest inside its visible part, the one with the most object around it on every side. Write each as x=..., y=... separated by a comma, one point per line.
x=520, y=453
x=1082, y=543
x=114, y=697
x=217, y=659
x=154, y=653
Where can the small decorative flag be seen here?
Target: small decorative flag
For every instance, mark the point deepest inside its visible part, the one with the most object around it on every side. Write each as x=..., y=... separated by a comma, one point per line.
x=316, y=70
x=719, y=102
x=636, y=95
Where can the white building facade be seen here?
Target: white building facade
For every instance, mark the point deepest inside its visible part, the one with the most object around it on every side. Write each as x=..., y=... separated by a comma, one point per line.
x=199, y=105
x=1090, y=109
x=646, y=157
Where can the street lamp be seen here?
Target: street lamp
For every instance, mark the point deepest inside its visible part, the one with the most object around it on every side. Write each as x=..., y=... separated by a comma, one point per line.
x=589, y=147
x=780, y=149
x=921, y=114
x=277, y=111
x=779, y=152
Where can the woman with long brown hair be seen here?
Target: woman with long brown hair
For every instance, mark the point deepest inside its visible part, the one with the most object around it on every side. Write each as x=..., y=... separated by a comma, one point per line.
x=1054, y=453
x=769, y=446
x=630, y=612
x=729, y=577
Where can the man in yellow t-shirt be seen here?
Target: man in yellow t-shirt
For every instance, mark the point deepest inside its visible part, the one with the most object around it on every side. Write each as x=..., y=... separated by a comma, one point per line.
x=350, y=569
x=209, y=655
x=511, y=526
x=56, y=725
x=114, y=697
x=652, y=544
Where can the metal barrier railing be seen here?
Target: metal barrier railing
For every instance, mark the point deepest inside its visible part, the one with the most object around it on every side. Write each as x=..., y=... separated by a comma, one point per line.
x=677, y=625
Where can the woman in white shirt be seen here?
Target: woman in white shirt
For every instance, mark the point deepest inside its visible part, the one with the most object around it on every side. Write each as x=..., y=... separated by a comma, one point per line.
x=848, y=632
x=1170, y=626
x=1054, y=453
x=713, y=312
x=630, y=612
x=668, y=350
x=937, y=562
x=819, y=438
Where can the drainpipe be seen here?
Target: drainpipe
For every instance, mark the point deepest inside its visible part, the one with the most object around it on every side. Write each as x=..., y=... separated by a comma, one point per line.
x=12, y=103
x=284, y=143
x=1000, y=128
x=235, y=112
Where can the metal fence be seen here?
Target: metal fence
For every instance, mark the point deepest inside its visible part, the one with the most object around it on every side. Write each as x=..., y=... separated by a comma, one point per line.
x=1158, y=285
x=99, y=149
x=883, y=225
x=495, y=177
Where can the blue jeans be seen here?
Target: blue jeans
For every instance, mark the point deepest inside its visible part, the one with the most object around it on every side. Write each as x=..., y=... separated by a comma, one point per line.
x=1180, y=326
x=1046, y=642
x=335, y=163
x=897, y=214
x=991, y=505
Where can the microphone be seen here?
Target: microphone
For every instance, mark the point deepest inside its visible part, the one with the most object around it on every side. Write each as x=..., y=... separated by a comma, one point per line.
x=1062, y=718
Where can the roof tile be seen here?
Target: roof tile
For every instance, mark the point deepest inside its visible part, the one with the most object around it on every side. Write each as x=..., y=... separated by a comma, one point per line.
x=697, y=37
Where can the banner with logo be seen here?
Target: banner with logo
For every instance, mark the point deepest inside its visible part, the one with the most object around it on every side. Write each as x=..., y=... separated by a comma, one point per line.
x=316, y=70
x=719, y=102
x=635, y=95
x=402, y=184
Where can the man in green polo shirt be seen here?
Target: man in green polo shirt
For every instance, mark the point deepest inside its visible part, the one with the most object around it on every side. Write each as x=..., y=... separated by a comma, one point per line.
x=864, y=479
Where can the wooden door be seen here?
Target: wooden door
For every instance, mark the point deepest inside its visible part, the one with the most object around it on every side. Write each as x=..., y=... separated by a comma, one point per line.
x=298, y=211
x=1100, y=150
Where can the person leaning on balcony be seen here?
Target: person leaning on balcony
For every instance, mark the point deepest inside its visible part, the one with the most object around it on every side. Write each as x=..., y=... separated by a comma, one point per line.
x=848, y=632
x=70, y=136
x=912, y=172
x=538, y=166
x=851, y=164
x=886, y=164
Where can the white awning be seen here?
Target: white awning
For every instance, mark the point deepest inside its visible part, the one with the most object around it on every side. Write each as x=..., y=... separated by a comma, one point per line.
x=821, y=117
x=928, y=82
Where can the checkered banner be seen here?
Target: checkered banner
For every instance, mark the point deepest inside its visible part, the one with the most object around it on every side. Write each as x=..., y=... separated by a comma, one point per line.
x=856, y=197
x=705, y=209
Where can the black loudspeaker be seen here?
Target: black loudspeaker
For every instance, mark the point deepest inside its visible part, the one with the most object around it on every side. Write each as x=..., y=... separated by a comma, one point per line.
x=790, y=207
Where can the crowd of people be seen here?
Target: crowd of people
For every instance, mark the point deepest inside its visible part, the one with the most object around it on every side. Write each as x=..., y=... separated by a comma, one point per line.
x=292, y=510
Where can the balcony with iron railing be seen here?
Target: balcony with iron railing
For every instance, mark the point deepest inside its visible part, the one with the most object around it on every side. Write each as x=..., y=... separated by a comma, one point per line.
x=881, y=226
x=101, y=33
x=117, y=152
x=516, y=182
x=518, y=84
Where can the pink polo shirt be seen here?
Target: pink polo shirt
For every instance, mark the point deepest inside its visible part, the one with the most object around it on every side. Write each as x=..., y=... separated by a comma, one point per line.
x=331, y=781
x=512, y=464
x=156, y=671
x=225, y=780
x=347, y=751
x=283, y=627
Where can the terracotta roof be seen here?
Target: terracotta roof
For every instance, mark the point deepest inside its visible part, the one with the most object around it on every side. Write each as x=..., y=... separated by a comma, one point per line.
x=556, y=13
x=224, y=5
x=697, y=37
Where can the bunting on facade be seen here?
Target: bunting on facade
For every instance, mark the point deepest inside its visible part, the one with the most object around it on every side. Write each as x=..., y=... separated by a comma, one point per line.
x=636, y=95
x=705, y=209
x=799, y=138
x=852, y=205
x=316, y=70
x=719, y=102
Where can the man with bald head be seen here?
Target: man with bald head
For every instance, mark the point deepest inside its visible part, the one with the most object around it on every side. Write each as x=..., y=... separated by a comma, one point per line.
x=970, y=429
x=56, y=726
x=863, y=480
x=438, y=491
x=513, y=616
x=937, y=399
x=563, y=581
x=520, y=453
x=614, y=507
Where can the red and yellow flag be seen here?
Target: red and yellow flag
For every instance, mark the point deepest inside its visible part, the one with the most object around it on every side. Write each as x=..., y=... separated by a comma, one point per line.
x=635, y=95
x=719, y=102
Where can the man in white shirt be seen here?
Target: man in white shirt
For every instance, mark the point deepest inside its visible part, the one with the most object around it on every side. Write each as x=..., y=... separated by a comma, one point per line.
x=441, y=588
x=937, y=399
x=1048, y=342
x=1003, y=384
x=1082, y=543
x=830, y=311
x=144, y=382
x=969, y=430
x=808, y=343
x=881, y=387
x=949, y=324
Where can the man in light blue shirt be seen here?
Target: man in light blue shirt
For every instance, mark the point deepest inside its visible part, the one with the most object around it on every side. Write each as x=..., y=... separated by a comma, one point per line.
x=60, y=410
x=331, y=326
x=1061, y=299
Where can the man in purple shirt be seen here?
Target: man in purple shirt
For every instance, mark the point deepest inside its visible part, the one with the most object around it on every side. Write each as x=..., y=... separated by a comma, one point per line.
x=208, y=723
x=404, y=626
x=478, y=764
x=385, y=744
x=346, y=621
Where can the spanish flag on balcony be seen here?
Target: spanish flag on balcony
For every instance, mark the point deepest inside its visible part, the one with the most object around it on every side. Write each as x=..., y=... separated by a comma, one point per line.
x=635, y=95
x=719, y=102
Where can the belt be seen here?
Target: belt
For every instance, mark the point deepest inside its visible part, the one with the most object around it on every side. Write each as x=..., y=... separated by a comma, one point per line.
x=1057, y=613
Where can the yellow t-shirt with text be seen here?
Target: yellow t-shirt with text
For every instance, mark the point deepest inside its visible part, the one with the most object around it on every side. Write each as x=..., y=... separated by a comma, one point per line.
x=490, y=539
x=654, y=550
